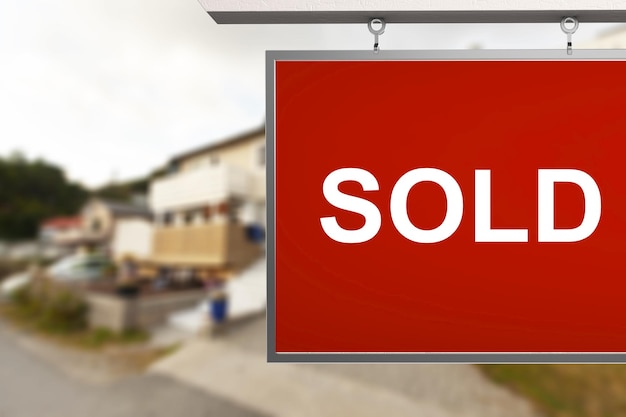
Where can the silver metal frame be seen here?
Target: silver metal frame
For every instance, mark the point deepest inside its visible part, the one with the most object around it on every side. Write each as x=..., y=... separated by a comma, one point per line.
x=416, y=16
x=439, y=55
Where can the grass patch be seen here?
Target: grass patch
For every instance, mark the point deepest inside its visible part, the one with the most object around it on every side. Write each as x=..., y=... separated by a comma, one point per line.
x=84, y=338
x=99, y=338
x=61, y=314
x=567, y=390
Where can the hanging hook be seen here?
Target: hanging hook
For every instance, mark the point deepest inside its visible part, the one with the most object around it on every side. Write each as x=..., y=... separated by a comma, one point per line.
x=569, y=31
x=376, y=32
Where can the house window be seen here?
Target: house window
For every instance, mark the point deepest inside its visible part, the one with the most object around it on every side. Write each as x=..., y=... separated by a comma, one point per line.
x=96, y=225
x=207, y=213
x=214, y=160
x=167, y=219
x=234, y=210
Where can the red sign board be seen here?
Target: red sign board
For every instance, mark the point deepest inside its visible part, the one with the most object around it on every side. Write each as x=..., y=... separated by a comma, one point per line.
x=447, y=209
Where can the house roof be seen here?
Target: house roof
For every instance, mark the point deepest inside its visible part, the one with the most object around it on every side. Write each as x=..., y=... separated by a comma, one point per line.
x=124, y=209
x=219, y=144
x=61, y=222
x=121, y=209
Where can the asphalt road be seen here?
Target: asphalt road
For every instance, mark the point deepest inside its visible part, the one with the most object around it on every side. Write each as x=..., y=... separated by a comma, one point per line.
x=31, y=387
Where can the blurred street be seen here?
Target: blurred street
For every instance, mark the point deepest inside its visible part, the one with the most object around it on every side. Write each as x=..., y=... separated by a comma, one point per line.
x=228, y=376
x=32, y=387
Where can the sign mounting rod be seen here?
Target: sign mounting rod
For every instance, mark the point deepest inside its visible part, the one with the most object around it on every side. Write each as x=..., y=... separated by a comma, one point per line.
x=413, y=11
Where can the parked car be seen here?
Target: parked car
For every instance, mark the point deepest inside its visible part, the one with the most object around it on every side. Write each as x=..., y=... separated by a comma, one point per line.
x=80, y=268
x=73, y=268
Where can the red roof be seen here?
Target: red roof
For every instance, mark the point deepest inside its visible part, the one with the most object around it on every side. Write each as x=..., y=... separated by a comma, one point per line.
x=61, y=222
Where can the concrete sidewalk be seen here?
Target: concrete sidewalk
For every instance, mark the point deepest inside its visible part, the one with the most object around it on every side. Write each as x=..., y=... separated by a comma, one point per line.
x=239, y=374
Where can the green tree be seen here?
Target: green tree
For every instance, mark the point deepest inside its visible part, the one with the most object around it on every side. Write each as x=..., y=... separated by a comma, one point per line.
x=31, y=191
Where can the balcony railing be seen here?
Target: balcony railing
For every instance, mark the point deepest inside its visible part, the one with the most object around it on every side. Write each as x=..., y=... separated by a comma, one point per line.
x=201, y=186
x=210, y=245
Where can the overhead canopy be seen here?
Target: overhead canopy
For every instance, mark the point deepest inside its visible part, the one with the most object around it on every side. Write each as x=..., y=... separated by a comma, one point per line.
x=414, y=11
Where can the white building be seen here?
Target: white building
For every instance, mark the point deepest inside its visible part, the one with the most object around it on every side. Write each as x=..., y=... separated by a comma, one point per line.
x=210, y=209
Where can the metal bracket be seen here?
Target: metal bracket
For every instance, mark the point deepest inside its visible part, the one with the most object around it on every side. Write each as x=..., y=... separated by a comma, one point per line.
x=376, y=32
x=569, y=25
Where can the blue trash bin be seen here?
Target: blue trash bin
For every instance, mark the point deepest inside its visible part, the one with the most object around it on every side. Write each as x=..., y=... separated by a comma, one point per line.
x=255, y=233
x=219, y=308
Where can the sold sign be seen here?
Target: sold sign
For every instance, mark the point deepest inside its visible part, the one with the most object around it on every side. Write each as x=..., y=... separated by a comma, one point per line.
x=442, y=207
x=454, y=212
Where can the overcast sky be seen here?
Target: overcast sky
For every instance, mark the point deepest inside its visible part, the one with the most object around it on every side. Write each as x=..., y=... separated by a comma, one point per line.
x=113, y=89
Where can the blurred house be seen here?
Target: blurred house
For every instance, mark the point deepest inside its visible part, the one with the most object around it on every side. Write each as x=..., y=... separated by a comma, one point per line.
x=132, y=237
x=210, y=209
x=59, y=236
x=61, y=230
x=101, y=220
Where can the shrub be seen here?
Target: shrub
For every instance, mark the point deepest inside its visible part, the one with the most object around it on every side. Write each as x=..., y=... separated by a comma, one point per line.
x=51, y=307
x=61, y=312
